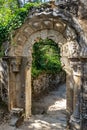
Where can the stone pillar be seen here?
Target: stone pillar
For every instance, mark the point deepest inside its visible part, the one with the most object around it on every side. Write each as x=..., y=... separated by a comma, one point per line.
x=77, y=76
x=84, y=97
x=69, y=82
x=14, y=82
x=69, y=96
x=28, y=90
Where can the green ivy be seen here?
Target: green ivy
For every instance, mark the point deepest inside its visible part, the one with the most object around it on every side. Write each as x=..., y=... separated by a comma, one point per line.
x=12, y=19
x=46, y=58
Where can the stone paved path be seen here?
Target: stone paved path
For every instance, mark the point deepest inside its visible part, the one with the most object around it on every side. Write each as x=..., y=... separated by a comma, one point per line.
x=51, y=114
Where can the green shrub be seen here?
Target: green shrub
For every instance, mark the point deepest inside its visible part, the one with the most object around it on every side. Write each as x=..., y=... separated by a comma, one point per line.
x=11, y=19
x=46, y=57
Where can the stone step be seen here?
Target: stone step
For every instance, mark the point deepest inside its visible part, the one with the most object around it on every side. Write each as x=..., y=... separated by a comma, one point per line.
x=17, y=117
x=17, y=112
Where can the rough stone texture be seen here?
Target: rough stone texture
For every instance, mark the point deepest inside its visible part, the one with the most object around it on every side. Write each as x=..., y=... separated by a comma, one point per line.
x=63, y=28
x=46, y=82
x=17, y=117
x=83, y=9
x=82, y=15
x=4, y=81
x=83, y=22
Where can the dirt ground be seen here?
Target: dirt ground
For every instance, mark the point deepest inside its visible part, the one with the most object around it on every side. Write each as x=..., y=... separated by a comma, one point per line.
x=49, y=113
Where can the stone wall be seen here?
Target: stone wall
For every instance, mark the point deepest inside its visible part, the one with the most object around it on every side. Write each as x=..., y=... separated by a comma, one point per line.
x=45, y=82
x=4, y=81
x=83, y=8
x=60, y=26
x=83, y=15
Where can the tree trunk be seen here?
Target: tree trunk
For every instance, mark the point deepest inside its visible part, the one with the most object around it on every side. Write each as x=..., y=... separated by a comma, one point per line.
x=20, y=3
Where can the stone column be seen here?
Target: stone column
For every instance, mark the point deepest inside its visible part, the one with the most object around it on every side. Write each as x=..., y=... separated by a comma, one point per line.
x=69, y=96
x=84, y=97
x=77, y=76
x=69, y=81
x=14, y=82
x=28, y=90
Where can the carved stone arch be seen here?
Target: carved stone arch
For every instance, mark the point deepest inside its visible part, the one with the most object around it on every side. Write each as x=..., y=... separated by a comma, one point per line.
x=63, y=23
x=63, y=29
x=56, y=36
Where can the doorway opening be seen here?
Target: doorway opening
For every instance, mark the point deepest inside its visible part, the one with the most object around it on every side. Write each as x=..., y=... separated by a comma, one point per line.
x=48, y=84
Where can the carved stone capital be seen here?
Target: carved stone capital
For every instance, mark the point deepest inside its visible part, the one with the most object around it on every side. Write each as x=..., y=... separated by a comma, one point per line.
x=77, y=68
x=85, y=88
x=65, y=50
x=74, y=49
x=27, y=62
x=15, y=64
x=83, y=53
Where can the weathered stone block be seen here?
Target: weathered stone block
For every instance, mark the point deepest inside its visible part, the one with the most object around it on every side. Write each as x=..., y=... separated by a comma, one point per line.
x=17, y=117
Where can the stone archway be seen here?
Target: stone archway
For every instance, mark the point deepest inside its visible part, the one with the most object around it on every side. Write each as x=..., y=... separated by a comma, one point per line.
x=64, y=30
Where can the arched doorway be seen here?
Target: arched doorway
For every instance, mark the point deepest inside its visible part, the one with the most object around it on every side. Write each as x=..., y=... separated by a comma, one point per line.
x=51, y=35
x=48, y=85
x=66, y=32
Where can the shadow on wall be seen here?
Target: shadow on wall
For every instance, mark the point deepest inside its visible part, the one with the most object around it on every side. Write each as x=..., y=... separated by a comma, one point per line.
x=45, y=83
x=4, y=81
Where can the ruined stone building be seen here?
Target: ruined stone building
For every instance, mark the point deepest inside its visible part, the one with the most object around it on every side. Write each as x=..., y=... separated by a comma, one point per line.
x=66, y=24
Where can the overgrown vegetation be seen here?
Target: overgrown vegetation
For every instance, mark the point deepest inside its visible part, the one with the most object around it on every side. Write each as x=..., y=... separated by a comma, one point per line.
x=46, y=58
x=46, y=54
x=12, y=17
